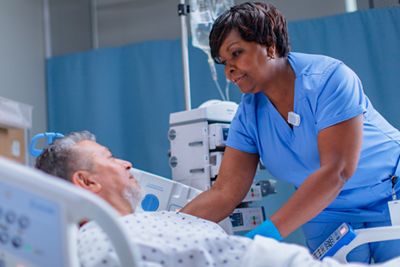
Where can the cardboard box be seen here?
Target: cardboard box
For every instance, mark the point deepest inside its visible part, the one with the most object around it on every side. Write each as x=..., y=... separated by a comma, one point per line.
x=12, y=144
x=15, y=120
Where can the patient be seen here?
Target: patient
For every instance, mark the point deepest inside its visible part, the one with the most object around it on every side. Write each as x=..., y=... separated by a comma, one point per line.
x=164, y=238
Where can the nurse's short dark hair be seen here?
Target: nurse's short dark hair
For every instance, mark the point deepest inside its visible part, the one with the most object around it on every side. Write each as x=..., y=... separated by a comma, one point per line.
x=62, y=159
x=256, y=22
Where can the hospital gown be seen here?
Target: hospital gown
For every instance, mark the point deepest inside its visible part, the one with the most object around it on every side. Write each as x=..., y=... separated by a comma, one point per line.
x=164, y=239
x=175, y=239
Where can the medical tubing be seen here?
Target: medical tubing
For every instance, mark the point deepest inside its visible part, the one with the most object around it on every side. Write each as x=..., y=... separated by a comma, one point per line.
x=215, y=76
x=267, y=229
x=227, y=90
x=220, y=90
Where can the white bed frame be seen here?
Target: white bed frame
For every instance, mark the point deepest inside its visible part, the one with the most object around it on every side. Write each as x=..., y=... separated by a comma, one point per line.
x=170, y=194
x=369, y=235
x=74, y=205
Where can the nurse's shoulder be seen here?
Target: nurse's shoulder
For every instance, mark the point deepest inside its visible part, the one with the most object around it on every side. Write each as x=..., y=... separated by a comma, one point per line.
x=319, y=72
x=312, y=64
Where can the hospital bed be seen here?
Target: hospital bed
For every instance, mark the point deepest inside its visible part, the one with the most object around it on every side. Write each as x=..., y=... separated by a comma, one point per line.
x=164, y=194
x=39, y=217
x=364, y=236
x=160, y=193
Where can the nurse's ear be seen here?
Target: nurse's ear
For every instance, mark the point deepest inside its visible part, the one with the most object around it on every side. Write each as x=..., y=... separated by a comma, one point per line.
x=86, y=180
x=271, y=52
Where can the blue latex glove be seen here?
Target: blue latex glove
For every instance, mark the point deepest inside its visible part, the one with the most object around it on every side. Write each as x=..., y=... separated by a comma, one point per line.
x=267, y=229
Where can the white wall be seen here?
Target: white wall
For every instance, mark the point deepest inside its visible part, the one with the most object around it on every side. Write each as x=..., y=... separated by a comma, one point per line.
x=128, y=21
x=22, y=66
x=70, y=27
x=136, y=21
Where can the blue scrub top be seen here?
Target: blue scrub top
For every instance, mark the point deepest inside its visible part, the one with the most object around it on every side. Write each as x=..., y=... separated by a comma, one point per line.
x=327, y=92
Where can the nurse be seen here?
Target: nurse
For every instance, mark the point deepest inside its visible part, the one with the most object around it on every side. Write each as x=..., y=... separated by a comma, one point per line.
x=307, y=119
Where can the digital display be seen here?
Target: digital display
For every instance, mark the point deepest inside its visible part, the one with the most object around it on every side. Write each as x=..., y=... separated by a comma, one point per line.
x=236, y=219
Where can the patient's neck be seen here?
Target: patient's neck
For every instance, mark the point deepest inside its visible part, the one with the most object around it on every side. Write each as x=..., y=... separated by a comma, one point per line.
x=83, y=222
x=124, y=209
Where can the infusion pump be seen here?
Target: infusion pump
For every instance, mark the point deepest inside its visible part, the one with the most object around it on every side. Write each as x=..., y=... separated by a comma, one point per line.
x=197, y=143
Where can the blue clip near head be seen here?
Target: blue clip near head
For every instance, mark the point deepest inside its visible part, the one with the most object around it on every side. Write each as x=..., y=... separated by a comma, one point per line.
x=49, y=137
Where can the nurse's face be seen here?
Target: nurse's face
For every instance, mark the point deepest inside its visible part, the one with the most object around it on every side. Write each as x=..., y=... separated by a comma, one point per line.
x=247, y=64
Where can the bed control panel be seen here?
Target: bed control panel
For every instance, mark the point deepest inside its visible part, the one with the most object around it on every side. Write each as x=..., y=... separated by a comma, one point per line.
x=340, y=237
x=30, y=233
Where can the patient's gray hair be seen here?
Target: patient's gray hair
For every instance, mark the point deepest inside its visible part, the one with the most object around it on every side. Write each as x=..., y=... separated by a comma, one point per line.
x=62, y=159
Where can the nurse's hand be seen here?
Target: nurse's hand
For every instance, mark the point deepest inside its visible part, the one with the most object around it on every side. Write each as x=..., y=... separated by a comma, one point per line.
x=267, y=229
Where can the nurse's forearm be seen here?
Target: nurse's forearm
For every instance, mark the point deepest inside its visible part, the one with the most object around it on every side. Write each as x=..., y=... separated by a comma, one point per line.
x=314, y=195
x=211, y=205
x=234, y=180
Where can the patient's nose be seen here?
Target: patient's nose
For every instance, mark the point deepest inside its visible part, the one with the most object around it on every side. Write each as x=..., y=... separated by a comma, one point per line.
x=127, y=165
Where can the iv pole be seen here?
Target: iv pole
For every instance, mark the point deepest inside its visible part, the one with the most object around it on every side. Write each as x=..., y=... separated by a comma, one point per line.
x=183, y=10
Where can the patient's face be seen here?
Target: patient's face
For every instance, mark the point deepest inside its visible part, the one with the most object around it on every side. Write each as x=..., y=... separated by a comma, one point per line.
x=119, y=187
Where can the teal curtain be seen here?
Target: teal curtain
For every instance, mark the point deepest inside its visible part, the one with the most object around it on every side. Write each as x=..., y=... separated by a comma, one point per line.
x=125, y=95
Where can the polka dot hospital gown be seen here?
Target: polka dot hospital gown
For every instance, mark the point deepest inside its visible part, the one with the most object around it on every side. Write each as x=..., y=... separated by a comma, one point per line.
x=165, y=239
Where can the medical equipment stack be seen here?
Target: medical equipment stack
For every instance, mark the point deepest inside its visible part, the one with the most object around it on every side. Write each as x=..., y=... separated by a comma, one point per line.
x=197, y=143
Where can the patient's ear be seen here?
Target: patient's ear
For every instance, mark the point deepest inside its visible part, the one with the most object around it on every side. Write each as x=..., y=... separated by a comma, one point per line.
x=86, y=180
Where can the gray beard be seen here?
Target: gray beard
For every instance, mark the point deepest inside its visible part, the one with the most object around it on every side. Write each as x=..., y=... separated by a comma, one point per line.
x=133, y=194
